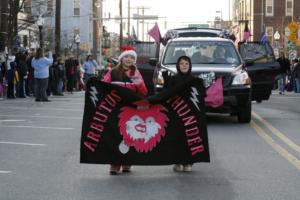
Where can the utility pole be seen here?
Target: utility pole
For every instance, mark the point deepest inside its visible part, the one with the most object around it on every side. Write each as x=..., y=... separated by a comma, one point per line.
x=121, y=24
x=143, y=23
x=128, y=30
x=138, y=21
x=57, y=26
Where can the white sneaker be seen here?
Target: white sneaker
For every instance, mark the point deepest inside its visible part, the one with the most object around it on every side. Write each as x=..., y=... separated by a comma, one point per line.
x=178, y=168
x=187, y=168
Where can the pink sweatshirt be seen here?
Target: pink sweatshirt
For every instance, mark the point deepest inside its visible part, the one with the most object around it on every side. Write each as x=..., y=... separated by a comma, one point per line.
x=137, y=83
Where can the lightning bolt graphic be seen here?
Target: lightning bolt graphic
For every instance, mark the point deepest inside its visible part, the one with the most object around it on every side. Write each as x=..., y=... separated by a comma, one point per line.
x=194, y=98
x=93, y=96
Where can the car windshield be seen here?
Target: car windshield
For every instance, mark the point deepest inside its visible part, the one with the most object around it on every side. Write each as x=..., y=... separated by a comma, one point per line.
x=202, y=52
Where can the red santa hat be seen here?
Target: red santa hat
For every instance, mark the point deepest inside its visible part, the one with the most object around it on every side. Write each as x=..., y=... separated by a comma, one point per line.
x=127, y=51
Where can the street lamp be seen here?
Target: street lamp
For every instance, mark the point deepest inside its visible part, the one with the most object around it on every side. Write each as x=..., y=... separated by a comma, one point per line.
x=98, y=4
x=40, y=22
x=276, y=36
x=77, y=41
x=276, y=46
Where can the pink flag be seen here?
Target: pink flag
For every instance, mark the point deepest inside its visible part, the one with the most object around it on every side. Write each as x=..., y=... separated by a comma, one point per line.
x=247, y=33
x=155, y=33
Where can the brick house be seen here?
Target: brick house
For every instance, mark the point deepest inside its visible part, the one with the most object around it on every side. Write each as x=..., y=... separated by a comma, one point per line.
x=269, y=16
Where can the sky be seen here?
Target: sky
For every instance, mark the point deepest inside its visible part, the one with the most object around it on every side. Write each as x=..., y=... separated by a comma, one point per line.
x=173, y=13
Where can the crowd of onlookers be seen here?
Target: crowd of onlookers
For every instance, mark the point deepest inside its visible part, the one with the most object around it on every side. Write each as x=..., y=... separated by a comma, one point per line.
x=289, y=77
x=23, y=74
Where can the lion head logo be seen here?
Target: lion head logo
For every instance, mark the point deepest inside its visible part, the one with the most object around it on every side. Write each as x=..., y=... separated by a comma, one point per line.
x=142, y=129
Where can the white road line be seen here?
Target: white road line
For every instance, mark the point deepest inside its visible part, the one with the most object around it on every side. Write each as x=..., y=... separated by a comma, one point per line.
x=12, y=120
x=37, y=108
x=41, y=116
x=38, y=127
x=22, y=143
x=5, y=172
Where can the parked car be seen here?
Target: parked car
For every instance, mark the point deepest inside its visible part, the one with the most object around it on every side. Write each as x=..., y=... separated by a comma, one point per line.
x=211, y=55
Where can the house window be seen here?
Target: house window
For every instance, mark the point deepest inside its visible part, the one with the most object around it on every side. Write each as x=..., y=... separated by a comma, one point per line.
x=76, y=7
x=269, y=33
x=27, y=6
x=49, y=7
x=269, y=7
x=289, y=7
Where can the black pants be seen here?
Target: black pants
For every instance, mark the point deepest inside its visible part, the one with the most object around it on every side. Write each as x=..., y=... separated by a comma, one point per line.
x=41, y=86
x=10, y=90
x=70, y=83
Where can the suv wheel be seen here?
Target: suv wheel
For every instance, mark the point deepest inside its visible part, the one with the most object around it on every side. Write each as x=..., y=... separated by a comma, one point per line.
x=244, y=115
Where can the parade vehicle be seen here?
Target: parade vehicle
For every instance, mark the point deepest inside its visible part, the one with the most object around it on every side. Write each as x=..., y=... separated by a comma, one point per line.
x=212, y=58
x=259, y=58
x=195, y=32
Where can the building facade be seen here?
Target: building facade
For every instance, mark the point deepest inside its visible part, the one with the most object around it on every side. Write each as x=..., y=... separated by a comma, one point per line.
x=78, y=17
x=269, y=16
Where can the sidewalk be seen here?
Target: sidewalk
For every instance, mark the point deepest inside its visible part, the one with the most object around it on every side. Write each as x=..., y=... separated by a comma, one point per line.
x=289, y=94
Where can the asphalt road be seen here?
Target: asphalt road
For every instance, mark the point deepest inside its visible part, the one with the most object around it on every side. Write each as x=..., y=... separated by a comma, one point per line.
x=39, y=157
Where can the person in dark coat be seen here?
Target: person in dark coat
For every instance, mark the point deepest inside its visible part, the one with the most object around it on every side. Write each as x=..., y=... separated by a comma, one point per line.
x=71, y=68
x=22, y=72
x=184, y=69
x=296, y=71
x=11, y=77
x=284, y=70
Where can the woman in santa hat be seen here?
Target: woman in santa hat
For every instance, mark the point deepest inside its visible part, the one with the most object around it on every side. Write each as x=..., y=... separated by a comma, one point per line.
x=126, y=74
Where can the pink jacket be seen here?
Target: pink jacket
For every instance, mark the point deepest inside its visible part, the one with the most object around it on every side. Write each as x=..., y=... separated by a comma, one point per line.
x=137, y=83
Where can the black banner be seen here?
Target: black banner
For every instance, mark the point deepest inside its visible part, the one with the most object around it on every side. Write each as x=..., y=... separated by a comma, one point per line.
x=121, y=127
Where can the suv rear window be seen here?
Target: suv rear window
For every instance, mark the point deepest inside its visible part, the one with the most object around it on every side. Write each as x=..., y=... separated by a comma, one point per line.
x=198, y=34
x=202, y=52
x=257, y=52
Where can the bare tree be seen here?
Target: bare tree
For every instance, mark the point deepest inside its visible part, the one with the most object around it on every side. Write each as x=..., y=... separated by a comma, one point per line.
x=4, y=24
x=57, y=26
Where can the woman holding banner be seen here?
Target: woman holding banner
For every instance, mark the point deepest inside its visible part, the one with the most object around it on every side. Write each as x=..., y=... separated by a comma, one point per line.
x=127, y=75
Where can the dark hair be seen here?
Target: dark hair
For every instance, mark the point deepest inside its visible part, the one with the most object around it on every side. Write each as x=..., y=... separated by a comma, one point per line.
x=120, y=70
x=186, y=58
x=39, y=53
x=87, y=57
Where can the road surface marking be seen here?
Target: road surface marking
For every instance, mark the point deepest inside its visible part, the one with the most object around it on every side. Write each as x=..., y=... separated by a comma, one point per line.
x=12, y=120
x=41, y=116
x=276, y=132
x=21, y=143
x=38, y=127
x=41, y=108
x=5, y=172
x=283, y=152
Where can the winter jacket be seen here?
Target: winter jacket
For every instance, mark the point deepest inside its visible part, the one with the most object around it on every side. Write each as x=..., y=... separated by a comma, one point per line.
x=135, y=82
x=297, y=70
x=41, y=67
x=284, y=65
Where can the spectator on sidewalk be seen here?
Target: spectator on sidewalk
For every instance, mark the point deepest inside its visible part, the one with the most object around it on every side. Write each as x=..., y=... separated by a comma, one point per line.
x=22, y=72
x=11, y=76
x=41, y=64
x=90, y=68
x=296, y=72
x=60, y=67
x=71, y=69
x=284, y=70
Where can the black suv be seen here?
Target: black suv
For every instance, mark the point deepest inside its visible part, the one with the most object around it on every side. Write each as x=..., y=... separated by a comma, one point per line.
x=218, y=57
x=195, y=32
